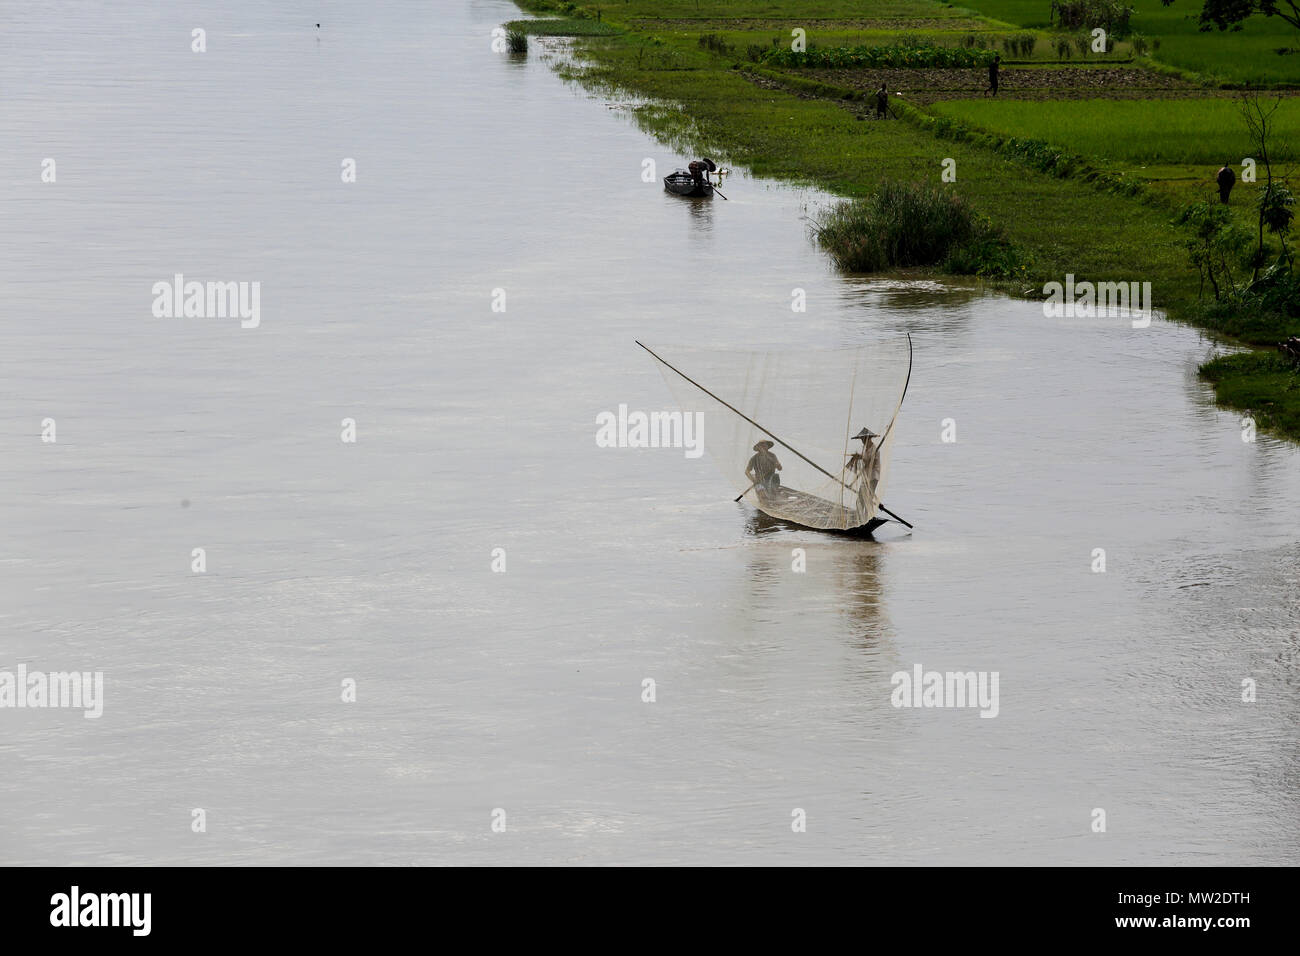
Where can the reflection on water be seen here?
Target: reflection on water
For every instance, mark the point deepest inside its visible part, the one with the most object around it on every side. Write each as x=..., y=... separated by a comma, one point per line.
x=701, y=217
x=849, y=568
x=860, y=582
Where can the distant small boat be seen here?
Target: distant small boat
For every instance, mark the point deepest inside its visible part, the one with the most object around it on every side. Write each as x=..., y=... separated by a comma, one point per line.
x=682, y=183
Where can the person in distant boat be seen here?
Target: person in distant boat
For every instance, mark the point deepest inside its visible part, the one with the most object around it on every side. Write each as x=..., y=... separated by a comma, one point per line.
x=763, y=467
x=865, y=464
x=1226, y=179
x=882, y=101
x=993, y=75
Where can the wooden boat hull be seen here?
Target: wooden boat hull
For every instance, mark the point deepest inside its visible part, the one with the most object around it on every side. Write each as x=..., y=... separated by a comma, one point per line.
x=760, y=522
x=779, y=499
x=684, y=184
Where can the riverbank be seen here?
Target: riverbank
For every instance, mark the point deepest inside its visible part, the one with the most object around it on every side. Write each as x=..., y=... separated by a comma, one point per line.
x=1095, y=218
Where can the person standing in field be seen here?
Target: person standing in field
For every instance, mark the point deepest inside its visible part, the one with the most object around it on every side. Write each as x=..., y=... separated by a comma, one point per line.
x=1226, y=179
x=882, y=101
x=993, y=75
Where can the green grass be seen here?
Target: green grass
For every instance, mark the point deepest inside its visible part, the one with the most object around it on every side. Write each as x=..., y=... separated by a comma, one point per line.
x=1205, y=131
x=1248, y=325
x=1267, y=384
x=562, y=27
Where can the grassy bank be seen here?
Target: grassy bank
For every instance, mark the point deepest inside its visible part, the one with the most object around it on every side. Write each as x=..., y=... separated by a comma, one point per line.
x=1075, y=202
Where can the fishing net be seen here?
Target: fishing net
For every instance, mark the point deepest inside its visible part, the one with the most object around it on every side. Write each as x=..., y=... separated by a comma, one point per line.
x=809, y=406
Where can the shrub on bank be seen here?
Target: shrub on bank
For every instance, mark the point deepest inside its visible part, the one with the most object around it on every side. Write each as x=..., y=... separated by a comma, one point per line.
x=914, y=224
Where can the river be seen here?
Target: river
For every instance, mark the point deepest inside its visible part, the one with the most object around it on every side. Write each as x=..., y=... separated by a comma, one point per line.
x=478, y=690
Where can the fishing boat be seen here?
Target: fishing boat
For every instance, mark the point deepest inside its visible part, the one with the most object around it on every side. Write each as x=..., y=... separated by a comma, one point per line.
x=682, y=183
x=805, y=437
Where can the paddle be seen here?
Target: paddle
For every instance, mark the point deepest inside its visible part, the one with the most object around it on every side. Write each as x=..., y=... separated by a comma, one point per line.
x=894, y=516
x=742, y=494
x=719, y=192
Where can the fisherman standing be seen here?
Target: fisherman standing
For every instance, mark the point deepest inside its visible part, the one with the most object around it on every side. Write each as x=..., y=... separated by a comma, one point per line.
x=1226, y=179
x=882, y=101
x=763, y=467
x=993, y=75
x=866, y=465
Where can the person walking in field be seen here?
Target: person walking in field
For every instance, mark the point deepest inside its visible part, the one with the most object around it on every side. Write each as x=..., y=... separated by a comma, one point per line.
x=1226, y=179
x=993, y=75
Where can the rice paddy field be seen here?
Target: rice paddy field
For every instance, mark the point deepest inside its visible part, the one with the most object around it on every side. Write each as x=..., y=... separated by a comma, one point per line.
x=1204, y=130
x=1083, y=159
x=1266, y=51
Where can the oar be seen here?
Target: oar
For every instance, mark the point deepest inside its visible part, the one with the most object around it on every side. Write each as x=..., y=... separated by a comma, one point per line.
x=879, y=506
x=743, y=493
x=892, y=515
x=719, y=192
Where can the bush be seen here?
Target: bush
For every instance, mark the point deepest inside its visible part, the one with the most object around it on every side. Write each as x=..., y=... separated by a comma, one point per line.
x=1111, y=15
x=913, y=224
x=1064, y=47
x=517, y=42
x=1140, y=44
x=1019, y=44
x=1215, y=247
x=715, y=42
